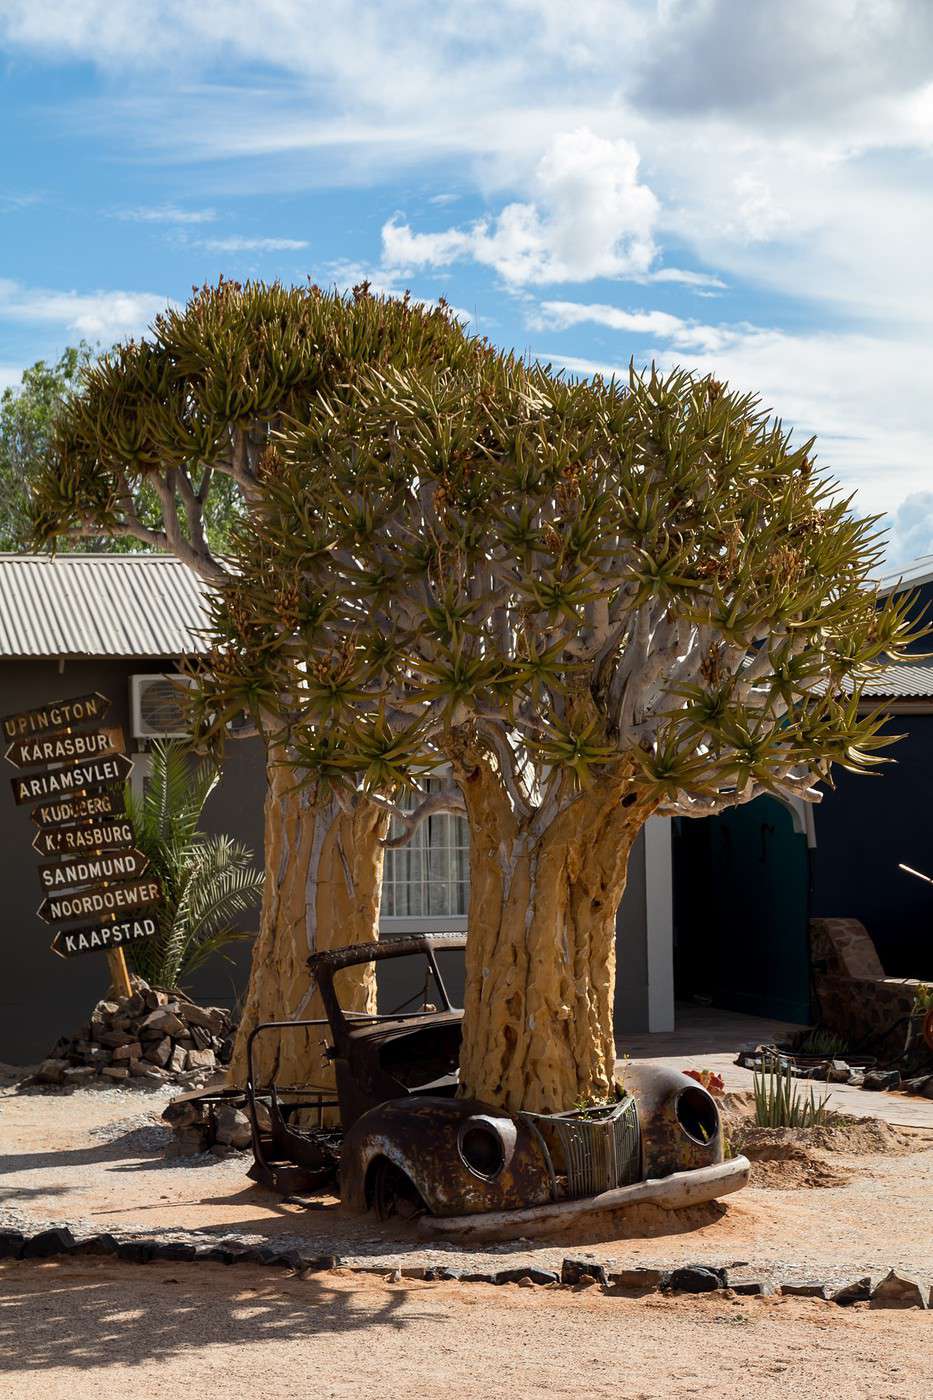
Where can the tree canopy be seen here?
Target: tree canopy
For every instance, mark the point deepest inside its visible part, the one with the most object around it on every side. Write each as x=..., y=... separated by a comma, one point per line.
x=573, y=576
x=27, y=416
x=162, y=445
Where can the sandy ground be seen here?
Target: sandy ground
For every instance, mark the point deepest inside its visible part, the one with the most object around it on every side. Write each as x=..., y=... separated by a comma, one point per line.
x=95, y=1160
x=76, y=1329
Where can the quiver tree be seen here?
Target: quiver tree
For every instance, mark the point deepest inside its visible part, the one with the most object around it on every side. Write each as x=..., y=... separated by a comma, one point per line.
x=598, y=601
x=165, y=437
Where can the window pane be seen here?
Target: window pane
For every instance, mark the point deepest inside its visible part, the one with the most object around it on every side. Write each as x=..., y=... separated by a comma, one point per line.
x=428, y=877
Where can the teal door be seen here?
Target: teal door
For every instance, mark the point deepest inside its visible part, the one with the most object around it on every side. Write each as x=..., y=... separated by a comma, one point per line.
x=741, y=911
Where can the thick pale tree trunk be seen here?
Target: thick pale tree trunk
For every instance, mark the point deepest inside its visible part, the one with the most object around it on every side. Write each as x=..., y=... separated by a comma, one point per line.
x=540, y=960
x=323, y=883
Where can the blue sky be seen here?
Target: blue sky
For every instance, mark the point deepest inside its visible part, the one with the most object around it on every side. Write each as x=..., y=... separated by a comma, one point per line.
x=739, y=187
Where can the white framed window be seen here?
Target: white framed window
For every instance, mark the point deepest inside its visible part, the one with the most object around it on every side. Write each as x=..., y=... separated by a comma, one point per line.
x=426, y=883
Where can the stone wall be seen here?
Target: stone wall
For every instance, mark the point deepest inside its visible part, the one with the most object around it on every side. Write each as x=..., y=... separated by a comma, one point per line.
x=855, y=998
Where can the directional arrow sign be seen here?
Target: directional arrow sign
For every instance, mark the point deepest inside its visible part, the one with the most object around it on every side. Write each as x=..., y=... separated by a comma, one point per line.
x=59, y=714
x=89, y=838
x=92, y=869
x=103, y=900
x=76, y=778
x=69, y=943
x=68, y=810
x=63, y=747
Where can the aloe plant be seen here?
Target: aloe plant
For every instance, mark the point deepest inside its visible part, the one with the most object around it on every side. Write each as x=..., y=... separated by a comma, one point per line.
x=779, y=1104
x=207, y=881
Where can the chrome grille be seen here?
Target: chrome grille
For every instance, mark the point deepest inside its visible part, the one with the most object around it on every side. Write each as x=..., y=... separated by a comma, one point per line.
x=591, y=1150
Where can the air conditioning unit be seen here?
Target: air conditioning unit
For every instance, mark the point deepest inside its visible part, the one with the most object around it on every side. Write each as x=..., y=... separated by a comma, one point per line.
x=158, y=707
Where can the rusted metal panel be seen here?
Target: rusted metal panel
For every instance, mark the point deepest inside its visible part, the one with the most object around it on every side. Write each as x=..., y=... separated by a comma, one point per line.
x=423, y=1137
x=664, y=1098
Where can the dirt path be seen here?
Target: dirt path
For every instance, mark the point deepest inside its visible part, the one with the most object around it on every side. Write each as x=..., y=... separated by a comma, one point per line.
x=95, y=1160
x=77, y=1330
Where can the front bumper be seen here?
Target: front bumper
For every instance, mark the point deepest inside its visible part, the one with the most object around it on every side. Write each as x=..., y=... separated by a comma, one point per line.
x=676, y=1192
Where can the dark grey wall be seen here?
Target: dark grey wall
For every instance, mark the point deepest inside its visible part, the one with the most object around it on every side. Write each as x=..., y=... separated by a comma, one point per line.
x=43, y=996
x=865, y=828
x=631, y=999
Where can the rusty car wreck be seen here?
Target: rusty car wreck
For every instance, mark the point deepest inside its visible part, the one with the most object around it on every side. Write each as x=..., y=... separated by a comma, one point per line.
x=408, y=1146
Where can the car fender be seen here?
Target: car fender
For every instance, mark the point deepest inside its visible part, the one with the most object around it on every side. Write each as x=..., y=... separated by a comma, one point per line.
x=425, y=1138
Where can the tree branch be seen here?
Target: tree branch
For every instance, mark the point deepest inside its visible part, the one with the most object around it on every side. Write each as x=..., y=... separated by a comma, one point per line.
x=432, y=806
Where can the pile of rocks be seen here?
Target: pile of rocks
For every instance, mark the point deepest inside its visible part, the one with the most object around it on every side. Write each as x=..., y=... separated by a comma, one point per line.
x=894, y=1290
x=834, y=1071
x=214, y=1123
x=153, y=1036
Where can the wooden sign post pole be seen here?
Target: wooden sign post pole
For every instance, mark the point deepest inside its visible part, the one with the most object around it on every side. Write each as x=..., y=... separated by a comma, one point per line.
x=119, y=972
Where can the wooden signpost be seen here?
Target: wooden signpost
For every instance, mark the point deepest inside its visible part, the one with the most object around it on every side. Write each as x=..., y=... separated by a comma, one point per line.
x=64, y=747
x=72, y=778
x=102, y=866
x=79, y=811
x=69, y=943
x=100, y=835
x=60, y=714
x=106, y=803
x=99, y=900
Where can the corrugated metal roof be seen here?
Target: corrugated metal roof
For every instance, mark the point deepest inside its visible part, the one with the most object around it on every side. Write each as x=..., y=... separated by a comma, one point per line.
x=908, y=680
x=100, y=605
x=910, y=575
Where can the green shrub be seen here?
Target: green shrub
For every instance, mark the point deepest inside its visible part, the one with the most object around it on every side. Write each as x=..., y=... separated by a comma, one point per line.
x=820, y=1041
x=206, y=880
x=780, y=1104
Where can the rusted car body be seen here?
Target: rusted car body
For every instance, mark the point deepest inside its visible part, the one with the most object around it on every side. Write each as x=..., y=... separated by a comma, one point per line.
x=412, y=1148
x=376, y=1058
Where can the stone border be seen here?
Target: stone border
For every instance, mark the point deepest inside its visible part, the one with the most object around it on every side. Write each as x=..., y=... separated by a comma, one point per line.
x=895, y=1290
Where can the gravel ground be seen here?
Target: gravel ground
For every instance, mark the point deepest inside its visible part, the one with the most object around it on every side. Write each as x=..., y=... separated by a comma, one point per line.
x=79, y=1329
x=93, y=1160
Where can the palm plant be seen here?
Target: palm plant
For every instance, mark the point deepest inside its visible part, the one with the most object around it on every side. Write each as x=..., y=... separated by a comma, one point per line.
x=206, y=880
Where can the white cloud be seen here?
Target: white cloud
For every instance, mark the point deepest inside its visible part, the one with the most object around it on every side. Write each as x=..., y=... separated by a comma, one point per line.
x=13, y=203
x=911, y=529
x=236, y=244
x=590, y=217
x=865, y=398
x=103, y=316
x=345, y=275
x=687, y=279
x=785, y=149
x=691, y=335
x=166, y=214
x=10, y=377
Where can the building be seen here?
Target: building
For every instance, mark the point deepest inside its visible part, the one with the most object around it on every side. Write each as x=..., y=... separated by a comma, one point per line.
x=867, y=827
x=748, y=883
x=717, y=910
x=116, y=623
x=71, y=625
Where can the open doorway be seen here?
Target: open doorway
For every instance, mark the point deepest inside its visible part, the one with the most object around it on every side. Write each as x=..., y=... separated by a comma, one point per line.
x=741, y=911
